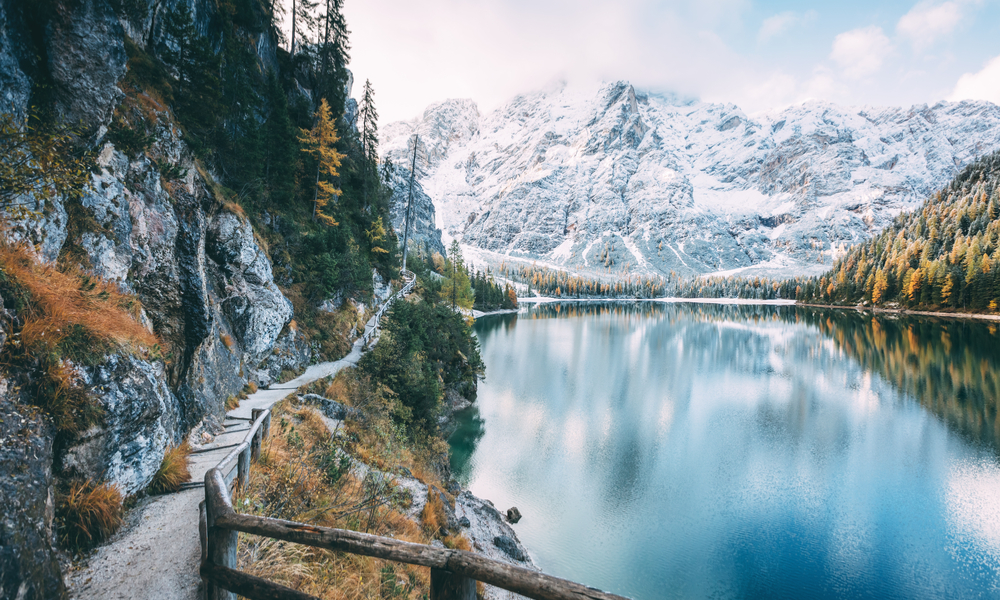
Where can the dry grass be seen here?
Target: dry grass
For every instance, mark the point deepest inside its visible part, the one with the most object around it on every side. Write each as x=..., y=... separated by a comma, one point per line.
x=304, y=476
x=251, y=387
x=433, y=517
x=60, y=303
x=173, y=470
x=66, y=314
x=227, y=340
x=88, y=514
x=232, y=402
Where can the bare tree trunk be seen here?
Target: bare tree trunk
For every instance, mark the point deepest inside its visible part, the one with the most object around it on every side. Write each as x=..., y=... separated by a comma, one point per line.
x=409, y=203
x=293, y=27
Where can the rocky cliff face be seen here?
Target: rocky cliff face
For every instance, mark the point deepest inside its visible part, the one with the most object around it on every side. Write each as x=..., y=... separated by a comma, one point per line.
x=28, y=567
x=620, y=180
x=442, y=127
x=153, y=223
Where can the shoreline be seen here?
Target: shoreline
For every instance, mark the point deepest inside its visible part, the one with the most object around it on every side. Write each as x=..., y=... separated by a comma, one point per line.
x=751, y=302
x=504, y=311
x=665, y=300
x=906, y=311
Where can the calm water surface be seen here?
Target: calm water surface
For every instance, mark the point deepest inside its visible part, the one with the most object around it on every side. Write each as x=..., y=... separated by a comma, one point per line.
x=700, y=451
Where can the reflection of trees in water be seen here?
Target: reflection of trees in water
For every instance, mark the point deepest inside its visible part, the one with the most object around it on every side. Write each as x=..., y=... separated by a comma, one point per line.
x=952, y=367
x=487, y=325
x=471, y=428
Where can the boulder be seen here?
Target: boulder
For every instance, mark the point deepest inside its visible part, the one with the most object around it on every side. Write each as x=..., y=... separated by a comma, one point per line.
x=513, y=515
x=140, y=420
x=252, y=302
x=330, y=408
x=509, y=547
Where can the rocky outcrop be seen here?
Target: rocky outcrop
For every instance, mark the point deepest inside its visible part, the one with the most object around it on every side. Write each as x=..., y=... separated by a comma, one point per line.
x=29, y=567
x=251, y=301
x=492, y=536
x=424, y=234
x=85, y=48
x=140, y=419
x=615, y=179
x=291, y=352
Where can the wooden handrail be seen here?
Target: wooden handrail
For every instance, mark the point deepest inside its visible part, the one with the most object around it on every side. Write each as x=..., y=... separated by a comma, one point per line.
x=453, y=572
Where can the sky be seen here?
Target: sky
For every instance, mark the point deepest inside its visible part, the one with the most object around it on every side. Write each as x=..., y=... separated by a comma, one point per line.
x=759, y=55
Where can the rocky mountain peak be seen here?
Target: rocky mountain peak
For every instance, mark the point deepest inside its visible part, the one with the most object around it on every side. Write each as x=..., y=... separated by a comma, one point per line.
x=616, y=180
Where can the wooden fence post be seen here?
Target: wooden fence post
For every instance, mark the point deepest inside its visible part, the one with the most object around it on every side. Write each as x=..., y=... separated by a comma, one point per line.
x=266, y=426
x=445, y=585
x=243, y=469
x=222, y=543
x=257, y=436
x=203, y=537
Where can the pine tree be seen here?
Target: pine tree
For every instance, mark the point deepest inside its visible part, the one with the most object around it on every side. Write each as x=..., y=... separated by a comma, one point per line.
x=457, y=288
x=195, y=67
x=279, y=146
x=333, y=54
x=320, y=143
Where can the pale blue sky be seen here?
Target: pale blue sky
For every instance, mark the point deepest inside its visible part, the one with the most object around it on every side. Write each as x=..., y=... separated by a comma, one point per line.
x=758, y=55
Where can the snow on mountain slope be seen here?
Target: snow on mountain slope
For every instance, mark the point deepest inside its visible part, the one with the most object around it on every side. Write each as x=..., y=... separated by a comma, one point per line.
x=618, y=180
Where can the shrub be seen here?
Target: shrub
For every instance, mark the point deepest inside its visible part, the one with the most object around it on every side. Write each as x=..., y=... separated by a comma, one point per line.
x=232, y=403
x=433, y=516
x=173, y=470
x=88, y=514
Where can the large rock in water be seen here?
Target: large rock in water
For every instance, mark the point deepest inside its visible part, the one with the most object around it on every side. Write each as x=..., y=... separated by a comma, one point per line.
x=29, y=568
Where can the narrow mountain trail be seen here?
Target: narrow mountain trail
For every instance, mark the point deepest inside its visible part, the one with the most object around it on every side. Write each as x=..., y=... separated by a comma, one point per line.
x=156, y=554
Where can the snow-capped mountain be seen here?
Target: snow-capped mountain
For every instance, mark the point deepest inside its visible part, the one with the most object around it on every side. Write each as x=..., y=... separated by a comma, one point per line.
x=622, y=180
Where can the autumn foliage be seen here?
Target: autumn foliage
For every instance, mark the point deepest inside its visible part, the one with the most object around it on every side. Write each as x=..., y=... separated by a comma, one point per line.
x=320, y=142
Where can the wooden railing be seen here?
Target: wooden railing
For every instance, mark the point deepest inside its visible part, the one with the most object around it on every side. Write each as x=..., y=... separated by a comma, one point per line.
x=453, y=572
x=411, y=280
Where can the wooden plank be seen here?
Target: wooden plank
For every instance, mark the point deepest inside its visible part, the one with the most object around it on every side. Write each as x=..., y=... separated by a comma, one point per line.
x=446, y=585
x=233, y=455
x=250, y=586
x=526, y=582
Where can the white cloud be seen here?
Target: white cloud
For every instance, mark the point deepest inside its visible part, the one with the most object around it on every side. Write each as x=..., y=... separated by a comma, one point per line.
x=927, y=22
x=860, y=52
x=782, y=22
x=984, y=85
x=776, y=25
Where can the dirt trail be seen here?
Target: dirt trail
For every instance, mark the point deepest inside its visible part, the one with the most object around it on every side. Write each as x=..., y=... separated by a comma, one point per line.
x=156, y=554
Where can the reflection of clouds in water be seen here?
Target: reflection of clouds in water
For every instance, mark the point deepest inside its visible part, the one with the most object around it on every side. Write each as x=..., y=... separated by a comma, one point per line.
x=574, y=435
x=666, y=418
x=688, y=444
x=973, y=499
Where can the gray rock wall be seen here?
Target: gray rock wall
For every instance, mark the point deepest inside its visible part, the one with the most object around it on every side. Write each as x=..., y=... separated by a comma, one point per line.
x=205, y=284
x=29, y=568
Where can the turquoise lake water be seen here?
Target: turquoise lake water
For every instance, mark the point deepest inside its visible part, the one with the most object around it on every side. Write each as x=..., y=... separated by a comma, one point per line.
x=707, y=451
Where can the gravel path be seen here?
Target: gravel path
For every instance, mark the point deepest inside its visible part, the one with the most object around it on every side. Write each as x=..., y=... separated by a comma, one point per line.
x=155, y=556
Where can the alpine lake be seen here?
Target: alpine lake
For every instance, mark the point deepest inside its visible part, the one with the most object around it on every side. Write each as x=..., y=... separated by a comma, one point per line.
x=678, y=450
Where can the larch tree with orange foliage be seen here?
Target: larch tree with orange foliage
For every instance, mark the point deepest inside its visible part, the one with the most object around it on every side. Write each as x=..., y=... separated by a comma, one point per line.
x=320, y=142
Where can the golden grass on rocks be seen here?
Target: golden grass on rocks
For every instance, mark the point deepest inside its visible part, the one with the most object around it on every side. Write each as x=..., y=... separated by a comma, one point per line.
x=301, y=476
x=88, y=514
x=173, y=470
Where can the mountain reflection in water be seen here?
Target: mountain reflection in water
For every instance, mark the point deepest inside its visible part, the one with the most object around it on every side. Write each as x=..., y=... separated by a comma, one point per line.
x=716, y=451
